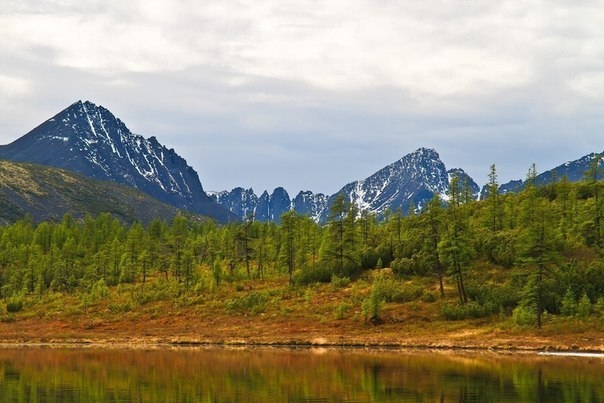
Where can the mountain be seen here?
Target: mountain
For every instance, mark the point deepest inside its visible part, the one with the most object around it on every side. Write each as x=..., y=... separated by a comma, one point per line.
x=269, y=207
x=573, y=170
x=47, y=193
x=239, y=201
x=90, y=140
x=406, y=183
x=311, y=204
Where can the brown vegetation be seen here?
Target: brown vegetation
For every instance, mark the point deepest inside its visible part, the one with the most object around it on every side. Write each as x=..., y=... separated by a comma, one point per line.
x=315, y=315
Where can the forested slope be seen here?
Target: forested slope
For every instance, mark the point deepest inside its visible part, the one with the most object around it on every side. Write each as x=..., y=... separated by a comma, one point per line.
x=520, y=258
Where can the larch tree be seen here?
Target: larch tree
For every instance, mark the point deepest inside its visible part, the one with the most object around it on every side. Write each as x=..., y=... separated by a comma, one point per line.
x=455, y=245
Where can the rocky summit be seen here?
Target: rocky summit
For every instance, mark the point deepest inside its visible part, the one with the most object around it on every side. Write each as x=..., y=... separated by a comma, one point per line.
x=89, y=140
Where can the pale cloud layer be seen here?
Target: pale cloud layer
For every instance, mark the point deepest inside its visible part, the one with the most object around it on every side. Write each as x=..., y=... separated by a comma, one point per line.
x=312, y=95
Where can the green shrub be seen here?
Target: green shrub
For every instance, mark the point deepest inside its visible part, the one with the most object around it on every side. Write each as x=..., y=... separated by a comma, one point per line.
x=504, y=296
x=584, y=307
x=524, y=315
x=312, y=274
x=14, y=304
x=569, y=306
x=599, y=306
x=99, y=290
x=254, y=302
x=471, y=310
x=217, y=273
x=118, y=307
x=429, y=297
x=372, y=305
x=393, y=290
x=341, y=310
x=339, y=282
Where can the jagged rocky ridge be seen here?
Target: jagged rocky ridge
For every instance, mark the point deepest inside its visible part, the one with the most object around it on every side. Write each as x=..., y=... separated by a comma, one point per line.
x=90, y=140
x=406, y=184
x=269, y=207
x=403, y=185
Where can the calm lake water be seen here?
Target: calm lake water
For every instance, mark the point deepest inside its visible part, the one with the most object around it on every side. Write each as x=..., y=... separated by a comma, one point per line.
x=293, y=375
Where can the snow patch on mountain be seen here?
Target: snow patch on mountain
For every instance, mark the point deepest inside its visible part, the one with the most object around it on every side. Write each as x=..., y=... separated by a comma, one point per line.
x=407, y=184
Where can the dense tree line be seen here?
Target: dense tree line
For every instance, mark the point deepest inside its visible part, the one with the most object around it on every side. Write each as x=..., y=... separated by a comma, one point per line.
x=526, y=254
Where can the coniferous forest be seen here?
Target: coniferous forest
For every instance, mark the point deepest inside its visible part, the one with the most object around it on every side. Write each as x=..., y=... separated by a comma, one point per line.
x=525, y=258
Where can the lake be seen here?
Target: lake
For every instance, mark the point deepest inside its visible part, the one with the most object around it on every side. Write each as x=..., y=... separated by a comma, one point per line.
x=204, y=374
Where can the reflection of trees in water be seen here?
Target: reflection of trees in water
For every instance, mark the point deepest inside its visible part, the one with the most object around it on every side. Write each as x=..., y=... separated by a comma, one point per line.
x=294, y=375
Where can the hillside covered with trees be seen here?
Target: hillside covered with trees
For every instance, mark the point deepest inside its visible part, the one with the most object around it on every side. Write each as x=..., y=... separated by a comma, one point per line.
x=522, y=259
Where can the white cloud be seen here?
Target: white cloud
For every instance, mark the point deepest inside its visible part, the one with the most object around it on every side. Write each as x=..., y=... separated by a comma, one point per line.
x=385, y=77
x=337, y=45
x=429, y=49
x=14, y=87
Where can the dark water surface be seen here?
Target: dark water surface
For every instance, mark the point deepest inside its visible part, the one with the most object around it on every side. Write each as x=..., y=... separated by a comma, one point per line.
x=38, y=374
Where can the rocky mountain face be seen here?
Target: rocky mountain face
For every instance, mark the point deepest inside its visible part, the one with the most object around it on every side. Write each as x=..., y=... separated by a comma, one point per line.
x=403, y=185
x=269, y=207
x=90, y=140
x=574, y=171
x=407, y=183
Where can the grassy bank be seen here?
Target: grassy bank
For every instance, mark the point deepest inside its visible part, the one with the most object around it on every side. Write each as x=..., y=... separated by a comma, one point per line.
x=402, y=313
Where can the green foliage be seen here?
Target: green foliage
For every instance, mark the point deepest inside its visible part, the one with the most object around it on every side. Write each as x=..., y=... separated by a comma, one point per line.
x=394, y=290
x=569, y=304
x=372, y=305
x=217, y=272
x=471, y=310
x=121, y=307
x=339, y=282
x=312, y=275
x=99, y=290
x=537, y=251
x=500, y=248
x=159, y=290
x=14, y=304
x=584, y=307
x=252, y=303
x=502, y=296
x=341, y=310
x=524, y=315
x=599, y=306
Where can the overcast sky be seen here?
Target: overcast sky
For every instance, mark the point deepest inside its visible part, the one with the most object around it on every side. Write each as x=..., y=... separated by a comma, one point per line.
x=311, y=95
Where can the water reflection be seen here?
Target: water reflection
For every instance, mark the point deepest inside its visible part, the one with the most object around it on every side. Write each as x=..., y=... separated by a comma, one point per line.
x=288, y=375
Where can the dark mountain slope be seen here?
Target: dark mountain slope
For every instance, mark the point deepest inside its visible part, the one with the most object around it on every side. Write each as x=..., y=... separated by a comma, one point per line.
x=47, y=193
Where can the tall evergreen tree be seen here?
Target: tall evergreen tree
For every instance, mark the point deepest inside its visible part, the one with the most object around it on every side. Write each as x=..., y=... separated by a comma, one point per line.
x=434, y=217
x=592, y=176
x=288, y=247
x=455, y=246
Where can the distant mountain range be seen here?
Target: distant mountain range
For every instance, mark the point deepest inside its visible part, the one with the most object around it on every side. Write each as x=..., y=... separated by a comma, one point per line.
x=574, y=171
x=405, y=184
x=91, y=141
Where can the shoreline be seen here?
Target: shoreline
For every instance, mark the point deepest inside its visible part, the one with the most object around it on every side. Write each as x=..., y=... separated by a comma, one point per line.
x=151, y=344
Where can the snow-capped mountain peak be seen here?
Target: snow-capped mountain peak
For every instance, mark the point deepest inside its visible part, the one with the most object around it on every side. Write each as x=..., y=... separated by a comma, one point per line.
x=90, y=140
